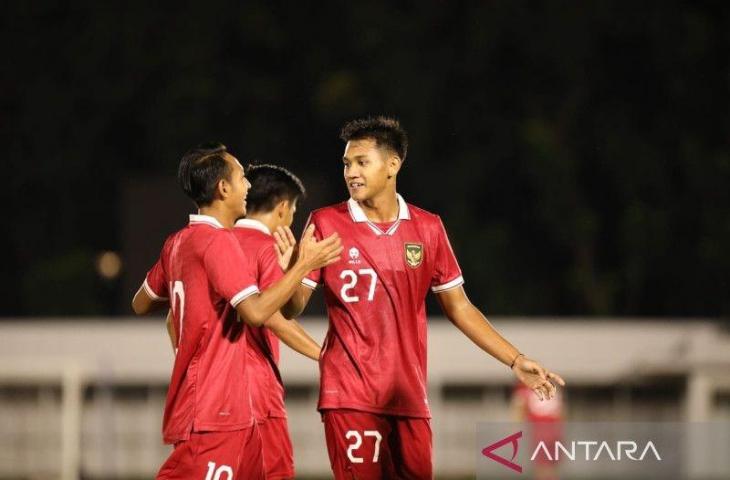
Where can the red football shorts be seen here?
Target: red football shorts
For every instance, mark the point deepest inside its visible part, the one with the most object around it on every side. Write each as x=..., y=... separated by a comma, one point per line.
x=216, y=456
x=277, y=449
x=368, y=446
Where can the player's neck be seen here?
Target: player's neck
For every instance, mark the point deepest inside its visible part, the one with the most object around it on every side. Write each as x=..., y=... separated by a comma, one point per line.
x=265, y=218
x=382, y=208
x=223, y=215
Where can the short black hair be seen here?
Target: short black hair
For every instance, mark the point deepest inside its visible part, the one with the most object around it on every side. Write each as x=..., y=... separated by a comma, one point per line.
x=200, y=171
x=386, y=132
x=270, y=184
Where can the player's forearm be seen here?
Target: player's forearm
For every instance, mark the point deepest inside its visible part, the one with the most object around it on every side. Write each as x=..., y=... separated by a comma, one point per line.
x=294, y=336
x=297, y=303
x=314, y=348
x=477, y=328
x=256, y=309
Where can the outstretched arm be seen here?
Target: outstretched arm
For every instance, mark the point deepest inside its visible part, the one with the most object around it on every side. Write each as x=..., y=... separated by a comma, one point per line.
x=467, y=318
x=294, y=336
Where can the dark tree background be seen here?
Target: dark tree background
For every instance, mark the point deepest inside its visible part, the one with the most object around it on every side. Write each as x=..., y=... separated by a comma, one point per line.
x=579, y=152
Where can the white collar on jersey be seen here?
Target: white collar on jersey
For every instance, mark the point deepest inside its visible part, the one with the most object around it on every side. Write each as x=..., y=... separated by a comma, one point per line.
x=358, y=215
x=196, y=219
x=255, y=224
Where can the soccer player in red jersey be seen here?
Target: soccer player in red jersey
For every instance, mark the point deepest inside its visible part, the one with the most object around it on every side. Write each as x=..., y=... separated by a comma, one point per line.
x=203, y=271
x=373, y=366
x=272, y=202
x=545, y=421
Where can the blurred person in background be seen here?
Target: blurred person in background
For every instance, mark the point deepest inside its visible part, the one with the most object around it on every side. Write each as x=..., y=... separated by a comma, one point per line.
x=202, y=269
x=373, y=368
x=545, y=424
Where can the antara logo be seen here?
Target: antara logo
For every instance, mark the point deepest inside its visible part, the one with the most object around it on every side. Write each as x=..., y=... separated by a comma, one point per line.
x=512, y=439
x=626, y=447
x=588, y=450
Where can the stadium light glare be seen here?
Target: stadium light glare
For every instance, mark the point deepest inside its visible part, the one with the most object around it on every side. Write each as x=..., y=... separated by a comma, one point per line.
x=109, y=265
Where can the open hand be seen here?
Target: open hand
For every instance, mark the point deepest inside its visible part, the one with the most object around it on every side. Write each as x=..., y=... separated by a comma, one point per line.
x=317, y=254
x=285, y=243
x=537, y=378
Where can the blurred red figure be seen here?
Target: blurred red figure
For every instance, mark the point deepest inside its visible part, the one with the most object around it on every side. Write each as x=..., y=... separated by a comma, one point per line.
x=373, y=392
x=545, y=420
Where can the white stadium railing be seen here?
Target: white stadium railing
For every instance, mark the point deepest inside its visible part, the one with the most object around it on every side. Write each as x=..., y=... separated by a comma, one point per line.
x=85, y=397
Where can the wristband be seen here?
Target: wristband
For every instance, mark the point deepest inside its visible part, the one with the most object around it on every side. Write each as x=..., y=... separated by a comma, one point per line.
x=515, y=360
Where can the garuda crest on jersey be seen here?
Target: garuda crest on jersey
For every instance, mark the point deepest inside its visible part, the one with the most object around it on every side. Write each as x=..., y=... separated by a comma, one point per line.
x=414, y=254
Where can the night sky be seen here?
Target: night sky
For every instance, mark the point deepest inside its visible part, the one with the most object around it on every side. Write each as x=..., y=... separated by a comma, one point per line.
x=578, y=152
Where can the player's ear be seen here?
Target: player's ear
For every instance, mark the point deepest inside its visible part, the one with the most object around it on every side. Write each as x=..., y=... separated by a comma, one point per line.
x=223, y=188
x=281, y=208
x=394, y=164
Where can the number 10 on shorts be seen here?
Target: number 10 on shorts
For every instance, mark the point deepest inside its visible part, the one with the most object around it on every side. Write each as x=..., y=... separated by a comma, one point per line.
x=356, y=442
x=216, y=473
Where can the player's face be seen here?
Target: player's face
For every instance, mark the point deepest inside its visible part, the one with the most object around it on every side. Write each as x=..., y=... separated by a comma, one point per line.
x=366, y=169
x=238, y=186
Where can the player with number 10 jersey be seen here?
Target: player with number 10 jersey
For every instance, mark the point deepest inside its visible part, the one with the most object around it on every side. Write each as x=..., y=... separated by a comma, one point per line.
x=203, y=275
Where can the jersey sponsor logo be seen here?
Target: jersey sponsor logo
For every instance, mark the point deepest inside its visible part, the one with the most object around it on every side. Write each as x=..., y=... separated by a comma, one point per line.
x=414, y=254
x=354, y=256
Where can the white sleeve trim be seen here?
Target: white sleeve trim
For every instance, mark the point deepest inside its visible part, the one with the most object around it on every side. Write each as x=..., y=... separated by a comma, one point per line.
x=449, y=285
x=309, y=283
x=151, y=293
x=244, y=294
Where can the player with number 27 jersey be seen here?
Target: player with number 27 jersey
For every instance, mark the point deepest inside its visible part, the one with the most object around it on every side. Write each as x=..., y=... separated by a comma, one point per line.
x=374, y=357
x=373, y=366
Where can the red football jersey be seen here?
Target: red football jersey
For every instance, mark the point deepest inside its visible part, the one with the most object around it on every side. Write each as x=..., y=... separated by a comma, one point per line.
x=374, y=357
x=267, y=390
x=204, y=273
